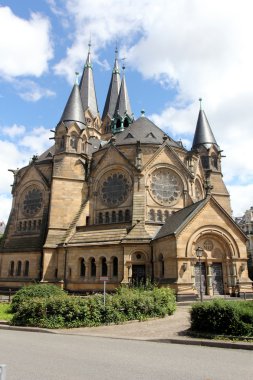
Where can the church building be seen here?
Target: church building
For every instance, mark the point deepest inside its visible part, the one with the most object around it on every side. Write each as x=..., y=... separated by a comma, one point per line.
x=116, y=199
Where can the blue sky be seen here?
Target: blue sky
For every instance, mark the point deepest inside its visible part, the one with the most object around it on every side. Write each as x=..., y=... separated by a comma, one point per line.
x=176, y=51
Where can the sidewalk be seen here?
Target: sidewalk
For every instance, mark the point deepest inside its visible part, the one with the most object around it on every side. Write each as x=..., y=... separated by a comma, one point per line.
x=171, y=329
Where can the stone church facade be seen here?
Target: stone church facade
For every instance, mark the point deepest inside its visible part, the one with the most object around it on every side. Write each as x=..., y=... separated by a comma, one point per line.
x=117, y=198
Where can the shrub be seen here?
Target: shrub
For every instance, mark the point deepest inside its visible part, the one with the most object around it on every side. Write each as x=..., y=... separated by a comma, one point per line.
x=126, y=304
x=35, y=291
x=222, y=317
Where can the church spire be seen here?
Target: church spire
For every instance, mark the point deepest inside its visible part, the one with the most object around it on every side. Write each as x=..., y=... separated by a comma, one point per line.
x=73, y=111
x=87, y=87
x=203, y=134
x=123, y=106
x=113, y=91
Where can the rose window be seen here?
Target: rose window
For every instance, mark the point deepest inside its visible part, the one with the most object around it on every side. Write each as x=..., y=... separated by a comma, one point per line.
x=32, y=202
x=115, y=189
x=165, y=186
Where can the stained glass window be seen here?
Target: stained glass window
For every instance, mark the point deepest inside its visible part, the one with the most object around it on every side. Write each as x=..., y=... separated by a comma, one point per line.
x=115, y=189
x=165, y=186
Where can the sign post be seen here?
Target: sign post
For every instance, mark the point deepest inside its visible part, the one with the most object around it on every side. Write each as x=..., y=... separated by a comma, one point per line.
x=104, y=279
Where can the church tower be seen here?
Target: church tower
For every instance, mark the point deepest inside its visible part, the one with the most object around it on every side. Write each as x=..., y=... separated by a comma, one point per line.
x=123, y=116
x=111, y=99
x=204, y=143
x=89, y=99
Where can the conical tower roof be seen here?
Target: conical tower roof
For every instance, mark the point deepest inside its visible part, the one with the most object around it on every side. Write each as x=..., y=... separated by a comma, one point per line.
x=123, y=104
x=87, y=88
x=73, y=111
x=203, y=133
x=113, y=92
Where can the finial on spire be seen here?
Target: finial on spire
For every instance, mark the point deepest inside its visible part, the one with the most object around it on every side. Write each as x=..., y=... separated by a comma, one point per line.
x=142, y=113
x=89, y=44
x=77, y=77
x=123, y=64
x=200, y=103
x=116, y=50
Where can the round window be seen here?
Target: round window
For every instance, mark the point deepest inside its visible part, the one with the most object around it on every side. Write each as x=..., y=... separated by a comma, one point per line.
x=32, y=202
x=114, y=189
x=208, y=245
x=165, y=186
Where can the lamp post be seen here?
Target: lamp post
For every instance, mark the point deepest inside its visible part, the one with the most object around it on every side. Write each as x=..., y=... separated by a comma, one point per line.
x=199, y=253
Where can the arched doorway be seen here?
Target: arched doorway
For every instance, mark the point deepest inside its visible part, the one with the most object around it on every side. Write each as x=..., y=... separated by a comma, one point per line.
x=139, y=274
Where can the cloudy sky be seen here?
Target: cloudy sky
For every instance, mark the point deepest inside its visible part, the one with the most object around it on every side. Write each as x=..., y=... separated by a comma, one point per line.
x=176, y=51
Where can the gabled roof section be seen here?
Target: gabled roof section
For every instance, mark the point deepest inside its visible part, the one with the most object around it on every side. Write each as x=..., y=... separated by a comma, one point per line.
x=113, y=91
x=73, y=111
x=123, y=106
x=47, y=155
x=145, y=131
x=179, y=219
x=203, y=133
x=87, y=88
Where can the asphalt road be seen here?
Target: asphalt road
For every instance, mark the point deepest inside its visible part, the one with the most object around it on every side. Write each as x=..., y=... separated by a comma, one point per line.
x=38, y=356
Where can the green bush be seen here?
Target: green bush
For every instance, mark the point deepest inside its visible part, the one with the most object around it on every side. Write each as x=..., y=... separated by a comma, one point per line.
x=126, y=304
x=35, y=291
x=220, y=317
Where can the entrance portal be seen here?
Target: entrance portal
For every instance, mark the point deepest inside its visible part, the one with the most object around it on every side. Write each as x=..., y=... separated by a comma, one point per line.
x=138, y=274
x=217, y=278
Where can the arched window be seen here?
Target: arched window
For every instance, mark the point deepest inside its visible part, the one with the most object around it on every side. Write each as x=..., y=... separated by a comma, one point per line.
x=20, y=226
x=152, y=215
x=214, y=161
x=82, y=267
x=100, y=218
x=104, y=267
x=62, y=143
x=19, y=268
x=113, y=217
x=127, y=215
x=73, y=141
x=26, y=270
x=115, y=266
x=93, y=267
x=107, y=217
x=159, y=216
x=118, y=124
x=29, y=225
x=34, y=224
x=39, y=224
x=126, y=123
x=11, y=270
x=25, y=226
x=166, y=215
x=120, y=216
x=161, y=266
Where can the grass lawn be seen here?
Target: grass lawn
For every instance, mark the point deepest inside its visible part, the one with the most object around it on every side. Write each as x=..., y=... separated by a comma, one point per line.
x=5, y=314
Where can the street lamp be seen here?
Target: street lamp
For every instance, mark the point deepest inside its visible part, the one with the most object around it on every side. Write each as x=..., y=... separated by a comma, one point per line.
x=199, y=253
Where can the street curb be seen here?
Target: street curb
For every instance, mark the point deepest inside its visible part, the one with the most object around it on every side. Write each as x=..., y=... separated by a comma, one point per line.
x=187, y=341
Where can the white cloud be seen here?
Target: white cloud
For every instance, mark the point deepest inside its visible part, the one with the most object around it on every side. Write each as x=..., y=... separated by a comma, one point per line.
x=5, y=207
x=25, y=45
x=241, y=198
x=31, y=91
x=14, y=130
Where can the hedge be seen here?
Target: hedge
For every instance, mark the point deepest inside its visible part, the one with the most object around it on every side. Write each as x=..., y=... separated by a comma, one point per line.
x=220, y=317
x=35, y=291
x=70, y=311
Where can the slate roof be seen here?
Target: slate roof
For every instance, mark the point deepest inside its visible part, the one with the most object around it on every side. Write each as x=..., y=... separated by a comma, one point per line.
x=123, y=104
x=179, y=219
x=73, y=111
x=203, y=133
x=145, y=131
x=94, y=145
x=87, y=88
x=113, y=92
x=47, y=155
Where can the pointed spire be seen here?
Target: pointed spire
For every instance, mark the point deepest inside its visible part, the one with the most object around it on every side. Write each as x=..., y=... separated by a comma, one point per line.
x=113, y=91
x=87, y=87
x=123, y=106
x=203, y=133
x=73, y=111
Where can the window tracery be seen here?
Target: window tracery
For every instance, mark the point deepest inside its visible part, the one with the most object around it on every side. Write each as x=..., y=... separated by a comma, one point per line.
x=165, y=186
